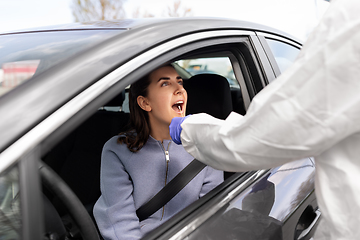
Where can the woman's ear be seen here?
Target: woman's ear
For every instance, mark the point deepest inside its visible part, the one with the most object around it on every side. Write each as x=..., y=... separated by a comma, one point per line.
x=143, y=103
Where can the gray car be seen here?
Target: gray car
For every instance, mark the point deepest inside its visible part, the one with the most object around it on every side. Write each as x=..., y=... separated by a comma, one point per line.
x=64, y=93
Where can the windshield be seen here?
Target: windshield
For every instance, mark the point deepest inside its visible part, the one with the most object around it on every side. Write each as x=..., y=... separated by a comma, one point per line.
x=24, y=55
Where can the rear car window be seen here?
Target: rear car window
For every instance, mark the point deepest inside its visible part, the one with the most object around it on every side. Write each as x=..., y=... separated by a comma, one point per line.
x=285, y=54
x=24, y=55
x=213, y=65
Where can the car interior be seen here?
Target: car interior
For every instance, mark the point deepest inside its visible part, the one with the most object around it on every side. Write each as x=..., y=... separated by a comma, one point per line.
x=76, y=159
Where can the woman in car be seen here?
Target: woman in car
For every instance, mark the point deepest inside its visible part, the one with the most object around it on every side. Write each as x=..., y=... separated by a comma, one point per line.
x=139, y=163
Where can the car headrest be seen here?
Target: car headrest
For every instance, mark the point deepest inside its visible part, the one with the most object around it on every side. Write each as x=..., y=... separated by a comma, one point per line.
x=208, y=93
x=117, y=100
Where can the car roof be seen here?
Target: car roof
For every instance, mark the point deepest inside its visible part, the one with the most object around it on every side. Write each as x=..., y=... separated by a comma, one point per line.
x=62, y=82
x=124, y=24
x=180, y=23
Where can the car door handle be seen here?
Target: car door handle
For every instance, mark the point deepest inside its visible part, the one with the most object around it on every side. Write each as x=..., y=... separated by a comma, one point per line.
x=312, y=226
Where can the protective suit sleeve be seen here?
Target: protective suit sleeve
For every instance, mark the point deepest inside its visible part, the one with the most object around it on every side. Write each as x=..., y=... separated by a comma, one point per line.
x=309, y=108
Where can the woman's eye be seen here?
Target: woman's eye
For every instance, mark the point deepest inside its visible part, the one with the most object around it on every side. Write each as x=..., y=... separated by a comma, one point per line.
x=164, y=84
x=181, y=82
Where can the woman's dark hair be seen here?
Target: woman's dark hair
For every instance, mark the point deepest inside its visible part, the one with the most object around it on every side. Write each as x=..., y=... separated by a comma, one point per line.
x=139, y=133
x=140, y=129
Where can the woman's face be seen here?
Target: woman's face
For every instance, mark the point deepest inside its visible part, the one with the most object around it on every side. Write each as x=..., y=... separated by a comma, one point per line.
x=166, y=96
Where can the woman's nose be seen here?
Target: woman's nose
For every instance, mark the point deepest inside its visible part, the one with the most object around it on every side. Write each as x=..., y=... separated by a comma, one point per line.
x=180, y=89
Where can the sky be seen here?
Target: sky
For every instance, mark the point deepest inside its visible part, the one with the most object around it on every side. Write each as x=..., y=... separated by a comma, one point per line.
x=297, y=17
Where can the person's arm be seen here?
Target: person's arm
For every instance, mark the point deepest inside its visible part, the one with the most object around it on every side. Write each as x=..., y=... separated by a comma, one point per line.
x=115, y=211
x=309, y=108
x=212, y=179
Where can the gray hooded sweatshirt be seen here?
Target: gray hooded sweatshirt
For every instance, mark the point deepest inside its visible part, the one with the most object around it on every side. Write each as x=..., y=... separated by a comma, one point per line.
x=129, y=180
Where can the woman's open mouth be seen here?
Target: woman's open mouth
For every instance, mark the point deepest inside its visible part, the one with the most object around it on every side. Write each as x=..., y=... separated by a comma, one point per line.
x=178, y=106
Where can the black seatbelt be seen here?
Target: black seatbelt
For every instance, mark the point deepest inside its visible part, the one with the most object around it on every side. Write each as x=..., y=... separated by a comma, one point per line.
x=170, y=190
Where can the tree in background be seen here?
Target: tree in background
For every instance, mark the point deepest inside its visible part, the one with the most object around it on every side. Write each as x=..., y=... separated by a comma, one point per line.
x=139, y=14
x=172, y=11
x=176, y=11
x=91, y=10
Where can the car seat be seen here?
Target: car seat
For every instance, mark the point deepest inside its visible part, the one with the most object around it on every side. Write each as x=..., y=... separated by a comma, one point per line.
x=77, y=158
x=209, y=93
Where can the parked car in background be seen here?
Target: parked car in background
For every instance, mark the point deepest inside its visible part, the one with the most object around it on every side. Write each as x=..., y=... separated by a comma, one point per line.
x=64, y=93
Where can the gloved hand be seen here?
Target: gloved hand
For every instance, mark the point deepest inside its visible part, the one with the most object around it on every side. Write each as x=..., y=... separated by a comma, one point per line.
x=175, y=128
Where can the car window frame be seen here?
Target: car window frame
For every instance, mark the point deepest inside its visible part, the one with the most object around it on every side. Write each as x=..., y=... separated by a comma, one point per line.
x=31, y=196
x=269, y=54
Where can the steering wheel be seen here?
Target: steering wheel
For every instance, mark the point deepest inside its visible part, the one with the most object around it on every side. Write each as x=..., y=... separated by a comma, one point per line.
x=71, y=202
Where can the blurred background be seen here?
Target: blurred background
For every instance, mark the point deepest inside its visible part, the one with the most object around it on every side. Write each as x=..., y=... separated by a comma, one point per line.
x=297, y=17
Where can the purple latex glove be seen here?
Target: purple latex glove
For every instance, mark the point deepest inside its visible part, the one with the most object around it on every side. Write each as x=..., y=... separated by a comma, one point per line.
x=175, y=128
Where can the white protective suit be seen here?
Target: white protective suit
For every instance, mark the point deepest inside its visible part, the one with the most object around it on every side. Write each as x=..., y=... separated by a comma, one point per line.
x=312, y=109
